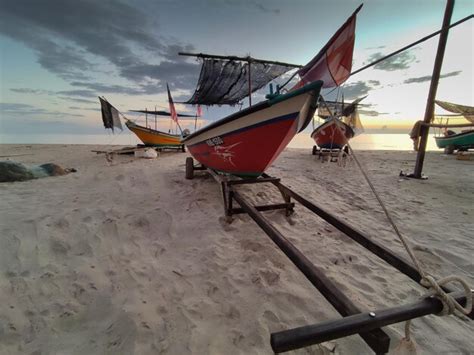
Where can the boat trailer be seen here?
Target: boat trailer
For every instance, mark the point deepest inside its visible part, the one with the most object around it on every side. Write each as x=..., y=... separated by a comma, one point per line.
x=366, y=323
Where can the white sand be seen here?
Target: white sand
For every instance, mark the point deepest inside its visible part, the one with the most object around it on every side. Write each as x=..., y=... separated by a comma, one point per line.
x=131, y=258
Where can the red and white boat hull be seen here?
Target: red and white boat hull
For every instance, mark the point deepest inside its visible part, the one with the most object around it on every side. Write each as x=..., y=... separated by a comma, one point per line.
x=332, y=134
x=246, y=143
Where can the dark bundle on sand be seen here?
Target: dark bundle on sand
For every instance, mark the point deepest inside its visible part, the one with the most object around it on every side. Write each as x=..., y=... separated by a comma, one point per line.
x=12, y=171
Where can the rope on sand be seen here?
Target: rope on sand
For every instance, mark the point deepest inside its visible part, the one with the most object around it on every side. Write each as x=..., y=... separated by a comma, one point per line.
x=450, y=305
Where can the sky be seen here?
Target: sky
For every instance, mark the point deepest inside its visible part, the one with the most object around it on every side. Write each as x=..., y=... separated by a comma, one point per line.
x=57, y=56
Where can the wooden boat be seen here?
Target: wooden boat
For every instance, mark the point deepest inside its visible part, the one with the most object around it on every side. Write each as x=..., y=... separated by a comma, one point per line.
x=332, y=134
x=450, y=140
x=456, y=141
x=155, y=138
x=247, y=142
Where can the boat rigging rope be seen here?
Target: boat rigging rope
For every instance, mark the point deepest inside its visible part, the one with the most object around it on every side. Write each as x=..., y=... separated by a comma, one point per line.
x=427, y=280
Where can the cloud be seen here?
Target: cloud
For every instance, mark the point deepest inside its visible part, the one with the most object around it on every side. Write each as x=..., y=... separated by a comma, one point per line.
x=397, y=62
x=82, y=101
x=422, y=79
x=72, y=38
x=265, y=9
x=371, y=113
x=374, y=82
x=83, y=93
x=355, y=90
x=25, y=109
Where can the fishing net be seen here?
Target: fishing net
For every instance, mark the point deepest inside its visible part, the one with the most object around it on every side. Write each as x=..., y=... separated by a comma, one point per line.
x=226, y=82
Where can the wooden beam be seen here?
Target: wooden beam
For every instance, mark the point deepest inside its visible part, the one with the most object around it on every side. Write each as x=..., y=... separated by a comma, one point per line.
x=378, y=249
x=244, y=59
x=315, y=334
x=377, y=339
x=429, y=111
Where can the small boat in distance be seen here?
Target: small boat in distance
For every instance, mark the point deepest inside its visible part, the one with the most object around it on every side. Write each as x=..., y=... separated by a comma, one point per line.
x=341, y=124
x=332, y=134
x=150, y=137
x=154, y=138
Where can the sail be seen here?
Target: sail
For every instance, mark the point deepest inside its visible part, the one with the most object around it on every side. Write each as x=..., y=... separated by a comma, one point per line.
x=227, y=81
x=110, y=115
x=466, y=111
x=333, y=63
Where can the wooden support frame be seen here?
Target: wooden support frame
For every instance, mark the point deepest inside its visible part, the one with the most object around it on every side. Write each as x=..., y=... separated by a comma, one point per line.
x=366, y=324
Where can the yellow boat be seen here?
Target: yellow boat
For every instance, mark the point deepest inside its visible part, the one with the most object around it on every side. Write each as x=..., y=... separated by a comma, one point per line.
x=154, y=138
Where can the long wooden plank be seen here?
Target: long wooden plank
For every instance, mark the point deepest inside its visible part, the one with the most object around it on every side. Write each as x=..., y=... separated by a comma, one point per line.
x=376, y=339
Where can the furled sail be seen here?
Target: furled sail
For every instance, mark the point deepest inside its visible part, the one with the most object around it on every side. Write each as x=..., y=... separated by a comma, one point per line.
x=161, y=113
x=110, y=115
x=226, y=81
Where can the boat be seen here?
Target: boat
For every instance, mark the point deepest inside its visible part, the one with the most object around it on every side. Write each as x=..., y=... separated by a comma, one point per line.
x=154, y=138
x=456, y=141
x=449, y=140
x=341, y=123
x=247, y=142
x=332, y=134
x=150, y=137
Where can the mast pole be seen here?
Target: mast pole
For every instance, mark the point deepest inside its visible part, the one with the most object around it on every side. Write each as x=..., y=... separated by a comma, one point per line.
x=250, y=81
x=155, y=120
x=429, y=111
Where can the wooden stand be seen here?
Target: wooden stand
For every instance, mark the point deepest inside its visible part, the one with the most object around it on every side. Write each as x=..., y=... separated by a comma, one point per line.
x=356, y=321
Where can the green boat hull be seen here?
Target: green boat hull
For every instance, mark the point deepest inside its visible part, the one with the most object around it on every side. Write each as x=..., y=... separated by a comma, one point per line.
x=464, y=140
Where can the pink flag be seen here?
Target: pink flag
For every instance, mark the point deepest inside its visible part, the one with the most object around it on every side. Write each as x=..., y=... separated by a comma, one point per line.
x=333, y=63
x=199, y=111
x=174, y=115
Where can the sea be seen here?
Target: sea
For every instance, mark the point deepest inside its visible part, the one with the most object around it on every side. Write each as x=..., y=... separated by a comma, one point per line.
x=373, y=141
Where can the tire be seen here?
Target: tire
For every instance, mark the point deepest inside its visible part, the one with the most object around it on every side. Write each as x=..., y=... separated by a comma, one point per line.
x=183, y=148
x=189, y=168
x=449, y=149
x=315, y=149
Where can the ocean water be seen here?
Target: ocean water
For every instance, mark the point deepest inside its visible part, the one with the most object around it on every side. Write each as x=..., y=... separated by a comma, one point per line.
x=385, y=141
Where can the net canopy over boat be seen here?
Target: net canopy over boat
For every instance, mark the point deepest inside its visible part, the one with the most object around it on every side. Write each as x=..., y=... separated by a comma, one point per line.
x=226, y=80
x=465, y=111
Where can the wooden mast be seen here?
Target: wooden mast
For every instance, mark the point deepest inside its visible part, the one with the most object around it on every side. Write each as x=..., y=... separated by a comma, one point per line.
x=429, y=111
x=250, y=80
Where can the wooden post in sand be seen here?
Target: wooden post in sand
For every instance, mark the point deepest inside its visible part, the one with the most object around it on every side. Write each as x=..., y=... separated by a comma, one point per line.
x=429, y=111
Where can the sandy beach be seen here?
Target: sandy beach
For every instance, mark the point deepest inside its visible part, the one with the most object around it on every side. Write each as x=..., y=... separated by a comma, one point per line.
x=129, y=257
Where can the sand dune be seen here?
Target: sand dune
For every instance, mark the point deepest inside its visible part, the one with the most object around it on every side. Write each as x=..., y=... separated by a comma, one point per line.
x=128, y=257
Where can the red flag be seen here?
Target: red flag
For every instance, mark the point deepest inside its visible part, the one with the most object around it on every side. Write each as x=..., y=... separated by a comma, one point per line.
x=199, y=111
x=334, y=62
x=174, y=115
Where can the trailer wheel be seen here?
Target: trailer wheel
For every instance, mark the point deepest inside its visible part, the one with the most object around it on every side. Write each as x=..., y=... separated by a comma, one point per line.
x=183, y=148
x=189, y=168
x=449, y=149
x=315, y=150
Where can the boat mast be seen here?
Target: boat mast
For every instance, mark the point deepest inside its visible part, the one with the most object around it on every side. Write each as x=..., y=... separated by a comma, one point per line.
x=250, y=80
x=155, y=120
x=429, y=111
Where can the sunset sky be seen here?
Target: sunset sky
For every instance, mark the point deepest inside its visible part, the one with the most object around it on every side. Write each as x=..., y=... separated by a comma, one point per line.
x=58, y=56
